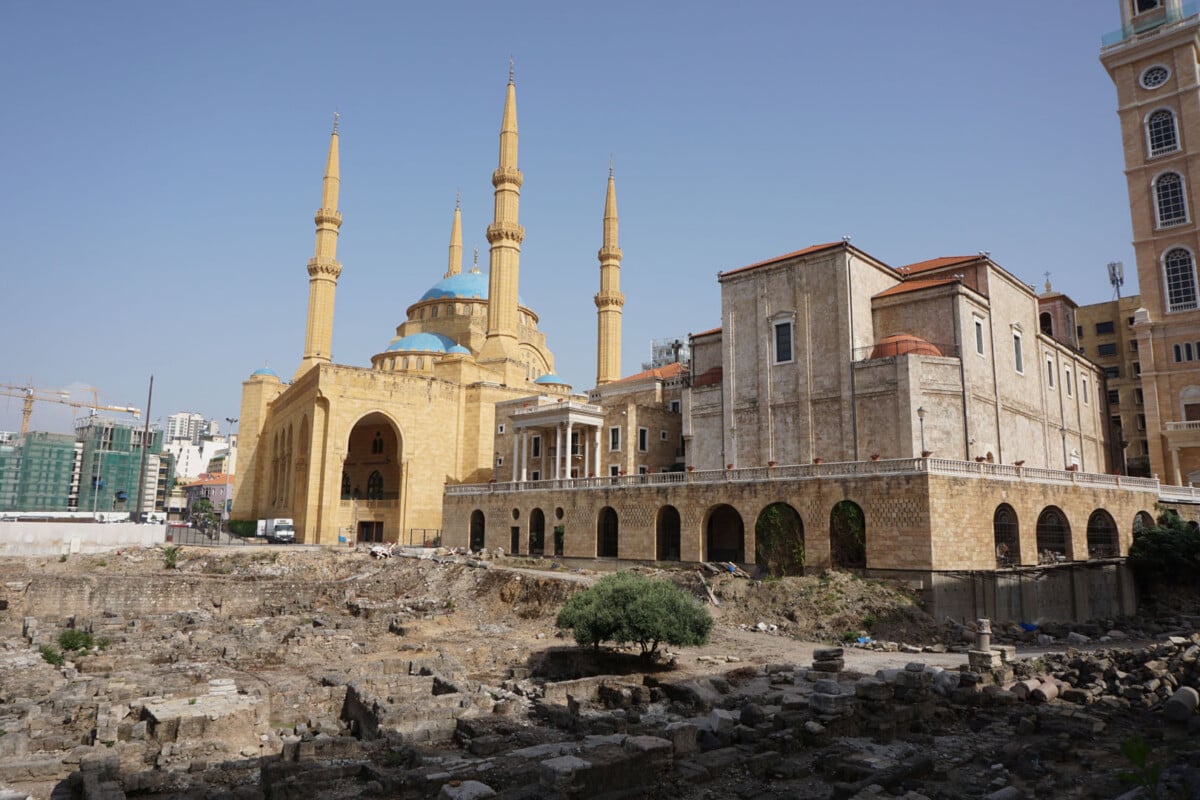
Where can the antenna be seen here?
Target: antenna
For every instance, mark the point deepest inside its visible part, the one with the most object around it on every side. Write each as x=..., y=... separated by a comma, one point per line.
x=1116, y=276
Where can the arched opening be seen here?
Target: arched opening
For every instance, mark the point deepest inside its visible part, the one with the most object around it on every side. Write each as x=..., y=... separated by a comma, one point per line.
x=1047, y=323
x=477, y=539
x=1007, y=536
x=847, y=536
x=1102, y=540
x=1141, y=521
x=537, y=532
x=606, y=533
x=779, y=541
x=666, y=534
x=371, y=479
x=1053, y=536
x=726, y=535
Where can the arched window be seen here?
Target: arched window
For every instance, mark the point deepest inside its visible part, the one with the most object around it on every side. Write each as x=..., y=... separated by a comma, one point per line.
x=1161, y=133
x=1102, y=535
x=478, y=530
x=1180, y=273
x=377, y=443
x=779, y=540
x=1168, y=198
x=1047, y=323
x=375, y=485
x=1007, y=536
x=1053, y=536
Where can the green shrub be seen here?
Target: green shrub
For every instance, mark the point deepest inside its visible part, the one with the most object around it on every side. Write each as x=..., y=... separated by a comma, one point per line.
x=242, y=527
x=627, y=607
x=73, y=639
x=170, y=556
x=1168, y=551
x=51, y=655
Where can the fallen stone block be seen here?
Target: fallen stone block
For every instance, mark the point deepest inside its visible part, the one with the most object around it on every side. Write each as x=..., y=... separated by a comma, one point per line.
x=465, y=790
x=1182, y=704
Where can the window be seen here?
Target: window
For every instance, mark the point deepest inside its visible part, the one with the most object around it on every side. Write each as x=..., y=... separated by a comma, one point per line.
x=1161, y=134
x=1133, y=346
x=1129, y=321
x=1177, y=351
x=675, y=407
x=1086, y=397
x=1141, y=6
x=1180, y=276
x=643, y=439
x=662, y=436
x=1141, y=422
x=535, y=448
x=1187, y=351
x=1047, y=323
x=576, y=449
x=614, y=438
x=1112, y=372
x=783, y=342
x=1114, y=397
x=614, y=470
x=1079, y=331
x=375, y=485
x=1138, y=397
x=1050, y=371
x=1168, y=198
x=1067, y=380
x=1018, y=358
x=499, y=461
x=433, y=312
x=1103, y=328
x=1137, y=369
x=642, y=469
x=1107, y=349
x=535, y=475
x=978, y=335
x=500, y=428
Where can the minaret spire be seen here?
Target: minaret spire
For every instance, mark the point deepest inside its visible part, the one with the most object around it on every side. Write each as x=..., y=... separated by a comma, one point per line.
x=609, y=300
x=505, y=235
x=455, y=265
x=323, y=267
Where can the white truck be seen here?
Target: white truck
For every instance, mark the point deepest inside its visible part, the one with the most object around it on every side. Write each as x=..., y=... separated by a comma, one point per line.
x=276, y=529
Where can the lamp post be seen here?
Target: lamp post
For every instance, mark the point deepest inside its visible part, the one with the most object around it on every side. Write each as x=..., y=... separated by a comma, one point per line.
x=227, y=505
x=921, y=420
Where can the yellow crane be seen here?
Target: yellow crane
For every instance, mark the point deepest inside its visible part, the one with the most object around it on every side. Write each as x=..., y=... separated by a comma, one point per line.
x=29, y=393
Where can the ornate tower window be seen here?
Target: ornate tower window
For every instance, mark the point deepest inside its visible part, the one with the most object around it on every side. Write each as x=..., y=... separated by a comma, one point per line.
x=375, y=486
x=1161, y=133
x=1169, y=200
x=1180, y=272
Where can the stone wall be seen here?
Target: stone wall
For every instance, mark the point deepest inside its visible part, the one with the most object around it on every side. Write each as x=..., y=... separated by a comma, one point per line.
x=56, y=538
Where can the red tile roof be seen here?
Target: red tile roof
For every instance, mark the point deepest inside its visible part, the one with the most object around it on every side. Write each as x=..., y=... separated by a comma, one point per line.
x=708, y=332
x=662, y=373
x=936, y=263
x=815, y=248
x=210, y=479
x=915, y=285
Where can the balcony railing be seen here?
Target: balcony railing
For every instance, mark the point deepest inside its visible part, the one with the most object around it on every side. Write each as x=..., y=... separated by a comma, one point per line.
x=1152, y=21
x=1192, y=425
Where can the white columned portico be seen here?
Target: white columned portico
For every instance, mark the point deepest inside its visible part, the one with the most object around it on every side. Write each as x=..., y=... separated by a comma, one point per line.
x=567, y=418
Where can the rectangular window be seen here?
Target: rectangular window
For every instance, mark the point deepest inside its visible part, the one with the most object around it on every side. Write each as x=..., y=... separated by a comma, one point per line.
x=576, y=449
x=1067, y=382
x=783, y=342
x=1103, y=328
x=614, y=438
x=675, y=407
x=1050, y=371
x=1137, y=369
x=1108, y=349
x=535, y=447
x=1115, y=421
x=499, y=461
x=662, y=436
x=1079, y=331
x=500, y=428
x=1112, y=372
x=535, y=475
x=1177, y=352
x=1114, y=397
x=1187, y=351
x=643, y=439
x=1018, y=358
x=978, y=335
x=1129, y=320
x=1138, y=397
x=614, y=470
x=1133, y=346
x=1141, y=422
x=642, y=469
x=1087, y=399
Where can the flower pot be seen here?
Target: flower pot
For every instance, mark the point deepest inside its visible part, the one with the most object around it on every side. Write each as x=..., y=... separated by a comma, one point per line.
x=875, y=456
x=770, y=463
x=926, y=453
x=816, y=460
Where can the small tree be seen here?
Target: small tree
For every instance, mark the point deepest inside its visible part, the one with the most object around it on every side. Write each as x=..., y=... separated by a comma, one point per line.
x=1168, y=551
x=203, y=515
x=627, y=607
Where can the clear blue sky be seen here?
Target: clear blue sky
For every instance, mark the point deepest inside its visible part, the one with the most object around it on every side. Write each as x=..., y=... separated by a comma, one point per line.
x=163, y=162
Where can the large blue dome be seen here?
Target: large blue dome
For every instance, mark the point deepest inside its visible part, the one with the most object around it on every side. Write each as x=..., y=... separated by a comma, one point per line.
x=426, y=343
x=471, y=285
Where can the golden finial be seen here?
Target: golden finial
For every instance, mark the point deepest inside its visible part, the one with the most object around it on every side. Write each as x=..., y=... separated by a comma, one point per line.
x=335, y=120
x=475, y=265
x=458, y=198
x=510, y=69
x=610, y=165
x=1048, y=289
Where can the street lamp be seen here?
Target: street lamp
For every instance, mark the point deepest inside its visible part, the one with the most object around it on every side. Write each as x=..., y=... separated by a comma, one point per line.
x=226, y=501
x=921, y=420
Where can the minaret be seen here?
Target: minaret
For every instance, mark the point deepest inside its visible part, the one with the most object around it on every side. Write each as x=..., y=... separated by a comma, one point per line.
x=505, y=236
x=323, y=267
x=455, y=265
x=609, y=299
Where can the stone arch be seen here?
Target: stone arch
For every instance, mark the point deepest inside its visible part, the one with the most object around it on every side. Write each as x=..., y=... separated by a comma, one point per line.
x=847, y=536
x=607, y=533
x=1053, y=536
x=1141, y=521
x=666, y=534
x=1006, y=534
x=779, y=540
x=537, y=532
x=725, y=535
x=478, y=532
x=374, y=449
x=1102, y=538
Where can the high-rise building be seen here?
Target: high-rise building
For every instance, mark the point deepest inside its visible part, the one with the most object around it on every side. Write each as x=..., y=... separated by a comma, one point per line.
x=1107, y=337
x=1152, y=63
x=110, y=464
x=187, y=426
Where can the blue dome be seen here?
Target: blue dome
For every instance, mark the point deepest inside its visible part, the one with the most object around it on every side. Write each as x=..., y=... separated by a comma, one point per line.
x=265, y=372
x=471, y=285
x=426, y=343
x=551, y=379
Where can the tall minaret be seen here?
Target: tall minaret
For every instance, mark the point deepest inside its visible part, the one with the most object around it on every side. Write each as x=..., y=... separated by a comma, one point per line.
x=609, y=299
x=505, y=236
x=323, y=267
x=455, y=265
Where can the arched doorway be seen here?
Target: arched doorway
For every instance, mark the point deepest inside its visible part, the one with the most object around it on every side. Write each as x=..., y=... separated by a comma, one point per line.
x=606, y=533
x=779, y=540
x=371, y=480
x=1006, y=535
x=666, y=534
x=1102, y=541
x=1141, y=521
x=726, y=535
x=537, y=532
x=1053, y=536
x=847, y=536
x=478, y=529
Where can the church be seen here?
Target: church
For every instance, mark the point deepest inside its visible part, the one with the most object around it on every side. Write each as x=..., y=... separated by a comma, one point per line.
x=355, y=453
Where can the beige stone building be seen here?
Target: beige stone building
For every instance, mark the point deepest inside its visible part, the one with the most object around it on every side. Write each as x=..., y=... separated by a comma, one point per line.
x=361, y=453
x=1152, y=62
x=830, y=354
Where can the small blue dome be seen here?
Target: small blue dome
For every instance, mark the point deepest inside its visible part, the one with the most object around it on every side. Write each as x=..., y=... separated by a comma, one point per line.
x=471, y=285
x=551, y=379
x=426, y=343
x=265, y=372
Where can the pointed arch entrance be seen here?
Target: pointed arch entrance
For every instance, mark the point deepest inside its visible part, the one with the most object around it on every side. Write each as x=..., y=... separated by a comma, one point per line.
x=371, y=479
x=779, y=540
x=725, y=535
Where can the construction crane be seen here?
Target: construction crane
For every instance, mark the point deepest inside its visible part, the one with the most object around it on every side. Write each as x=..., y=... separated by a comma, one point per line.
x=29, y=393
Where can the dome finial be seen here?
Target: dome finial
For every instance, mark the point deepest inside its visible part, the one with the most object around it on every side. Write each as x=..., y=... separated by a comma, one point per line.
x=510, y=69
x=335, y=120
x=610, y=165
x=475, y=265
x=458, y=198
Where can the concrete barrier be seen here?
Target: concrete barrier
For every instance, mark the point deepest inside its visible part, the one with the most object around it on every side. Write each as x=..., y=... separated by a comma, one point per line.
x=57, y=538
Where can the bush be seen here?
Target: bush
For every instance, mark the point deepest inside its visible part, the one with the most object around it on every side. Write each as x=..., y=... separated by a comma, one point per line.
x=1167, y=552
x=627, y=607
x=170, y=556
x=243, y=527
x=74, y=639
x=51, y=655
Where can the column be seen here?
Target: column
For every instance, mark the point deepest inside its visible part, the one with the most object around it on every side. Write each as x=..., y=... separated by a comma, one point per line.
x=570, y=455
x=558, y=451
x=524, y=453
x=1178, y=481
x=596, y=452
x=516, y=453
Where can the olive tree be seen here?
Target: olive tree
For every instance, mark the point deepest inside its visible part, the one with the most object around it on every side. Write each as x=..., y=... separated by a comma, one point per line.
x=627, y=607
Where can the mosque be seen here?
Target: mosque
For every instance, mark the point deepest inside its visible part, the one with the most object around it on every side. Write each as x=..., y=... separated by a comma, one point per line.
x=355, y=453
